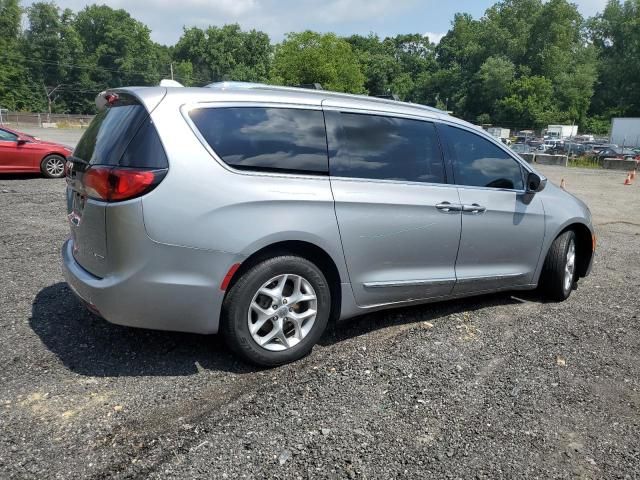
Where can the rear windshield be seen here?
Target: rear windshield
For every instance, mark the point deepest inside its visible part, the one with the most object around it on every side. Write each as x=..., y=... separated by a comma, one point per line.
x=122, y=134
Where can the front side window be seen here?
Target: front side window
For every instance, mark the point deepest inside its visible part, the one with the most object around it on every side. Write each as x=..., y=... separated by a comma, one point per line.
x=7, y=136
x=383, y=148
x=477, y=162
x=264, y=138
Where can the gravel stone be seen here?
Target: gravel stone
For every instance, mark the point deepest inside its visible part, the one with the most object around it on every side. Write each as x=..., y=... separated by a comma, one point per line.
x=192, y=410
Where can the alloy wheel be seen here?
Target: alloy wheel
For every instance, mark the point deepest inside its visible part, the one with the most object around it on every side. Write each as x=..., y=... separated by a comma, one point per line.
x=570, y=266
x=54, y=166
x=282, y=312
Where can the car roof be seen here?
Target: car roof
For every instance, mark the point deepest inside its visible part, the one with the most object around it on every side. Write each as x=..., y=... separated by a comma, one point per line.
x=257, y=92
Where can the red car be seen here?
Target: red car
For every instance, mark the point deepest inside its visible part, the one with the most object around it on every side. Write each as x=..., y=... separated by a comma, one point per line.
x=22, y=153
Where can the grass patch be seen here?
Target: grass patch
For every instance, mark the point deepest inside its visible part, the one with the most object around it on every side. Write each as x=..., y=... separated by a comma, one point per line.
x=584, y=162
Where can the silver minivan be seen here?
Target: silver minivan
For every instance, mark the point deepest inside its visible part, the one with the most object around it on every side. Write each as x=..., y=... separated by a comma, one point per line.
x=266, y=212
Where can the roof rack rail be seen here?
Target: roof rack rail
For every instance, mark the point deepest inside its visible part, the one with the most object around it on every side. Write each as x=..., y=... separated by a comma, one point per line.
x=389, y=96
x=312, y=91
x=310, y=86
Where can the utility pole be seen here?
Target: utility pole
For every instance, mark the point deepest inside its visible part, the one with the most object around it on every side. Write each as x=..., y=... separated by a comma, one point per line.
x=171, y=70
x=49, y=91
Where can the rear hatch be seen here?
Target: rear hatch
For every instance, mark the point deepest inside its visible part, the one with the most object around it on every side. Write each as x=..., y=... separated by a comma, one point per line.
x=119, y=158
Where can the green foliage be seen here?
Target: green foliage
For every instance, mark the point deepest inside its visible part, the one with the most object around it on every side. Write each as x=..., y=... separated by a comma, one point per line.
x=15, y=83
x=400, y=65
x=598, y=125
x=585, y=162
x=225, y=53
x=118, y=46
x=616, y=37
x=530, y=102
x=524, y=63
x=310, y=57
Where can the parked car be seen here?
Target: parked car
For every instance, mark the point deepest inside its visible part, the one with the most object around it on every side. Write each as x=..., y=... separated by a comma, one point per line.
x=620, y=153
x=576, y=149
x=550, y=144
x=603, y=146
x=22, y=153
x=263, y=212
x=522, y=148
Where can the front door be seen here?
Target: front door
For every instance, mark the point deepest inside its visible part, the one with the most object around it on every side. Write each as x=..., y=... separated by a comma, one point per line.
x=502, y=225
x=399, y=221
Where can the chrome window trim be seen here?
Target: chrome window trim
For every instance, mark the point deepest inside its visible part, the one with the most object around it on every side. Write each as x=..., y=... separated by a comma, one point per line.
x=392, y=182
x=436, y=118
x=380, y=113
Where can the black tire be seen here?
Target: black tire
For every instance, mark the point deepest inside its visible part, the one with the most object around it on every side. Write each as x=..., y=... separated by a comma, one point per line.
x=553, y=280
x=235, y=310
x=47, y=164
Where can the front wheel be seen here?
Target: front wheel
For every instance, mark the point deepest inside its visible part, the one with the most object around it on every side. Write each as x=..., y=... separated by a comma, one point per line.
x=559, y=270
x=52, y=166
x=277, y=311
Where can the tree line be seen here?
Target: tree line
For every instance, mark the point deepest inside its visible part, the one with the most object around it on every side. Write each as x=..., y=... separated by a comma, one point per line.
x=525, y=63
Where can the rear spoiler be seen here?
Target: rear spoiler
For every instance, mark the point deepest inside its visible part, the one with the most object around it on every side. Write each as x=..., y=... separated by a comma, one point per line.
x=106, y=96
x=101, y=100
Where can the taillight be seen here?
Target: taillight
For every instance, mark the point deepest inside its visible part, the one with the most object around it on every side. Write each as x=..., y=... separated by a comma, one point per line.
x=115, y=184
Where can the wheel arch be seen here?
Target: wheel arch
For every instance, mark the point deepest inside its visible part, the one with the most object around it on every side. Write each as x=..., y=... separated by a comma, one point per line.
x=49, y=154
x=57, y=154
x=304, y=249
x=584, y=246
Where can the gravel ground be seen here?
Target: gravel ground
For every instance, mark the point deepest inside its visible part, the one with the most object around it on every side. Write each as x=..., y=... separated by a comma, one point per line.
x=492, y=387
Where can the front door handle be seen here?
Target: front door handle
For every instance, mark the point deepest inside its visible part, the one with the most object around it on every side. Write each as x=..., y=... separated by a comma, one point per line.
x=448, y=207
x=474, y=208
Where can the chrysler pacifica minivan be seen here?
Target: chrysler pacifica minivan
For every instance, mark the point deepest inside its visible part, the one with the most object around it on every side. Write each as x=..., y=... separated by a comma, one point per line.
x=265, y=212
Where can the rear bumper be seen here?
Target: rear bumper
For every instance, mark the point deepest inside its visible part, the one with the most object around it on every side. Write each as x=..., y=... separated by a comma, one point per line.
x=172, y=288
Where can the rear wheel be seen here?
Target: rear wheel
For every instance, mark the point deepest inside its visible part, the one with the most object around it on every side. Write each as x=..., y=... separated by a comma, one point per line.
x=559, y=271
x=52, y=166
x=277, y=311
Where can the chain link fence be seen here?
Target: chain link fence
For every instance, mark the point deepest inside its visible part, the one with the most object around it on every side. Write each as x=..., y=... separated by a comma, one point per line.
x=43, y=120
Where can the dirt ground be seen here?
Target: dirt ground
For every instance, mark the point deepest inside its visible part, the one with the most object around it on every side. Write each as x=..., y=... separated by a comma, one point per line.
x=501, y=386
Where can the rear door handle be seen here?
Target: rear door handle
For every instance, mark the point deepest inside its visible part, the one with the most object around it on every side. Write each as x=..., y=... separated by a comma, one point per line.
x=474, y=208
x=448, y=207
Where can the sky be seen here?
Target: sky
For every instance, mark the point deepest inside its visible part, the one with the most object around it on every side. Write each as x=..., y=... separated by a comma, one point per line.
x=166, y=18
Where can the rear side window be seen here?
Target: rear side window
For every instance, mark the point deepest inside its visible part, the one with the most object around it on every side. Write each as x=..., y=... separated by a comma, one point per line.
x=478, y=162
x=266, y=139
x=122, y=135
x=383, y=148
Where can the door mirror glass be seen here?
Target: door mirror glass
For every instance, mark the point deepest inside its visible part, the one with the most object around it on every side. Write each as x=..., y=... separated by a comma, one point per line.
x=534, y=183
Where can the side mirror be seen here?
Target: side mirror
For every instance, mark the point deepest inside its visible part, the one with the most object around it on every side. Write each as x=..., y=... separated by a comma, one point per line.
x=535, y=183
x=21, y=141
